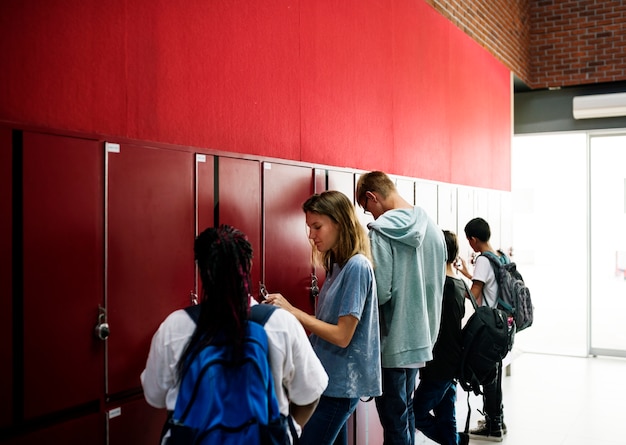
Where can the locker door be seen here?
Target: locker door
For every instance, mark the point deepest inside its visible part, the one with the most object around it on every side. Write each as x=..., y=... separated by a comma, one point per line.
x=63, y=362
x=446, y=207
x=134, y=422
x=343, y=182
x=287, y=253
x=426, y=197
x=205, y=184
x=87, y=429
x=465, y=212
x=406, y=189
x=239, y=204
x=150, y=267
x=6, y=276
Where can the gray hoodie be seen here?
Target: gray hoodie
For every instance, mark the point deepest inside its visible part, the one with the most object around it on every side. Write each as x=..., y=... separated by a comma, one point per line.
x=409, y=253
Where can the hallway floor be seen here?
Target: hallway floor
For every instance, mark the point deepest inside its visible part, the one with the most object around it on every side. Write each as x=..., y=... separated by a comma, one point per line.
x=557, y=400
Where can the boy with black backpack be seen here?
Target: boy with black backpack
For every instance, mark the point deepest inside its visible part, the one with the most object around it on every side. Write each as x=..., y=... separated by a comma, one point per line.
x=226, y=373
x=485, y=290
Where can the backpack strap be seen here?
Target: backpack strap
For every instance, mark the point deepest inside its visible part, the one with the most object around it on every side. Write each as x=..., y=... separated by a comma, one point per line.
x=260, y=313
x=462, y=366
x=193, y=312
x=497, y=263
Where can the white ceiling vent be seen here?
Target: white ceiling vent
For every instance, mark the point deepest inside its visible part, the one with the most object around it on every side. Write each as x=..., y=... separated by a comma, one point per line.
x=599, y=105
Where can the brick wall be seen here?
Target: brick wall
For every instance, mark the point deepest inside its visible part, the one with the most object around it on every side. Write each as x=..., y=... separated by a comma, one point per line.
x=503, y=31
x=548, y=43
x=578, y=42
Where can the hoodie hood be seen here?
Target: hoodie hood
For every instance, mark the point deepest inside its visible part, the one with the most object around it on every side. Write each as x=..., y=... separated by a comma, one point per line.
x=407, y=226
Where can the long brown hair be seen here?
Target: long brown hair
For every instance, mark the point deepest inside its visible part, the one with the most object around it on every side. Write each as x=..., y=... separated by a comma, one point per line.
x=352, y=237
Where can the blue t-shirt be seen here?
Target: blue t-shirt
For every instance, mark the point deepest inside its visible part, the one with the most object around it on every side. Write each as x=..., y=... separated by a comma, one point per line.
x=353, y=371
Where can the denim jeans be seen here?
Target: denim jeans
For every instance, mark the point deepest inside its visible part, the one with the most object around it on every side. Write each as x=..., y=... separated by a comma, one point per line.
x=440, y=397
x=395, y=406
x=327, y=425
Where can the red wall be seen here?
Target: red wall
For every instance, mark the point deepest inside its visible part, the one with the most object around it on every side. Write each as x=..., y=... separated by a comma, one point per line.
x=388, y=85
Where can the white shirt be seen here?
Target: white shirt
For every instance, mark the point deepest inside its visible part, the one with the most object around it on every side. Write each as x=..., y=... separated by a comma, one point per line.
x=295, y=366
x=483, y=272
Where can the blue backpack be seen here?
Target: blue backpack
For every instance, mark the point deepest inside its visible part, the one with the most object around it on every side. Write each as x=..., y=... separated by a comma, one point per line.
x=223, y=400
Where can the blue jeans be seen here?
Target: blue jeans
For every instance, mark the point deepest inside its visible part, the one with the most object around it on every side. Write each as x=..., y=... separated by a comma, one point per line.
x=395, y=406
x=440, y=397
x=327, y=425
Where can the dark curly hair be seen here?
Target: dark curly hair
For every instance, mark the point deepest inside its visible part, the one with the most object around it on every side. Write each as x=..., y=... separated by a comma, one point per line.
x=224, y=259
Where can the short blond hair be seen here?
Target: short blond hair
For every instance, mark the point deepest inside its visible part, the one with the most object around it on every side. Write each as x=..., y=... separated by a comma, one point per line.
x=375, y=181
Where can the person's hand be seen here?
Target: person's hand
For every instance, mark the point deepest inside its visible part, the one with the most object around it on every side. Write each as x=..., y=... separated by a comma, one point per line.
x=461, y=265
x=279, y=300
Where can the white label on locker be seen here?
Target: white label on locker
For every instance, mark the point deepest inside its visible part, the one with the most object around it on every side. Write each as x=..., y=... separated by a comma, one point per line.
x=111, y=147
x=115, y=412
x=267, y=165
x=200, y=158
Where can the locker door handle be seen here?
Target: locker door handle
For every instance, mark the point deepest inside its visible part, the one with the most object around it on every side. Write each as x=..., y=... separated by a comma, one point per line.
x=102, y=330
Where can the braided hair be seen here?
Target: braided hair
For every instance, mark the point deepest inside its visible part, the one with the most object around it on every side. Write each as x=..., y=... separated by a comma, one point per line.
x=224, y=258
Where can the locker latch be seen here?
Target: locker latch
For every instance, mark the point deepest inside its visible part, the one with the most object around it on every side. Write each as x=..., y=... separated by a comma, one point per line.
x=102, y=330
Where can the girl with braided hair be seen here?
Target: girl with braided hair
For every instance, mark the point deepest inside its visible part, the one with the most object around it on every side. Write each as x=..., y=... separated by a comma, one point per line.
x=224, y=259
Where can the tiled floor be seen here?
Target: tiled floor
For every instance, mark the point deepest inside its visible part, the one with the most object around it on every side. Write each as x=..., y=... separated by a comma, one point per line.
x=557, y=400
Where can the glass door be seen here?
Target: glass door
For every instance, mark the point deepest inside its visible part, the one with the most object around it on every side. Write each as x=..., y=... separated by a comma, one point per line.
x=608, y=244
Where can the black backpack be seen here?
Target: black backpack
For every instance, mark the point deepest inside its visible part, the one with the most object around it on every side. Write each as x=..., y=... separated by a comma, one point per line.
x=487, y=336
x=513, y=295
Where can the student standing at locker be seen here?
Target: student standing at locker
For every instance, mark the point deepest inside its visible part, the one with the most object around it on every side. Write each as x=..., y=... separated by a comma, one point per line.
x=485, y=284
x=435, y=397
x=224, y=257
x=409, y=254
x=345, y=330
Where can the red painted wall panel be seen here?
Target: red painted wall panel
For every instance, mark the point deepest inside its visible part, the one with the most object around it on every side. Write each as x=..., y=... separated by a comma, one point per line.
x=421, y=90
x=217, y=74
x=480, y=117
x=346, y=59
x=67, y=64
x=6, y=277
x=63, y=272
x=389, y=85
x=150, y=266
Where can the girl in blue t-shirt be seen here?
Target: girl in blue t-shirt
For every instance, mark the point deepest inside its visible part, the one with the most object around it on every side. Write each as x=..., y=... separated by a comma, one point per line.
x=345, y=330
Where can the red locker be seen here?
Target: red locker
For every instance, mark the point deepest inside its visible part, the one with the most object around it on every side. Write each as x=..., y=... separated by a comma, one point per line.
x=88, y=429
x=63, y=272
x=239, y=204
x=6, y=276
x=287, y=253
x=134, y=422
x=343, y=182
x=205, y=185
x=150, y=266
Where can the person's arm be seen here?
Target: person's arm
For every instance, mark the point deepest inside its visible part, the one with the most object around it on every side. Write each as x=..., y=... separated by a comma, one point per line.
x=301, y=414
x=339, y=334
x=383, y=272
x=477, y=291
